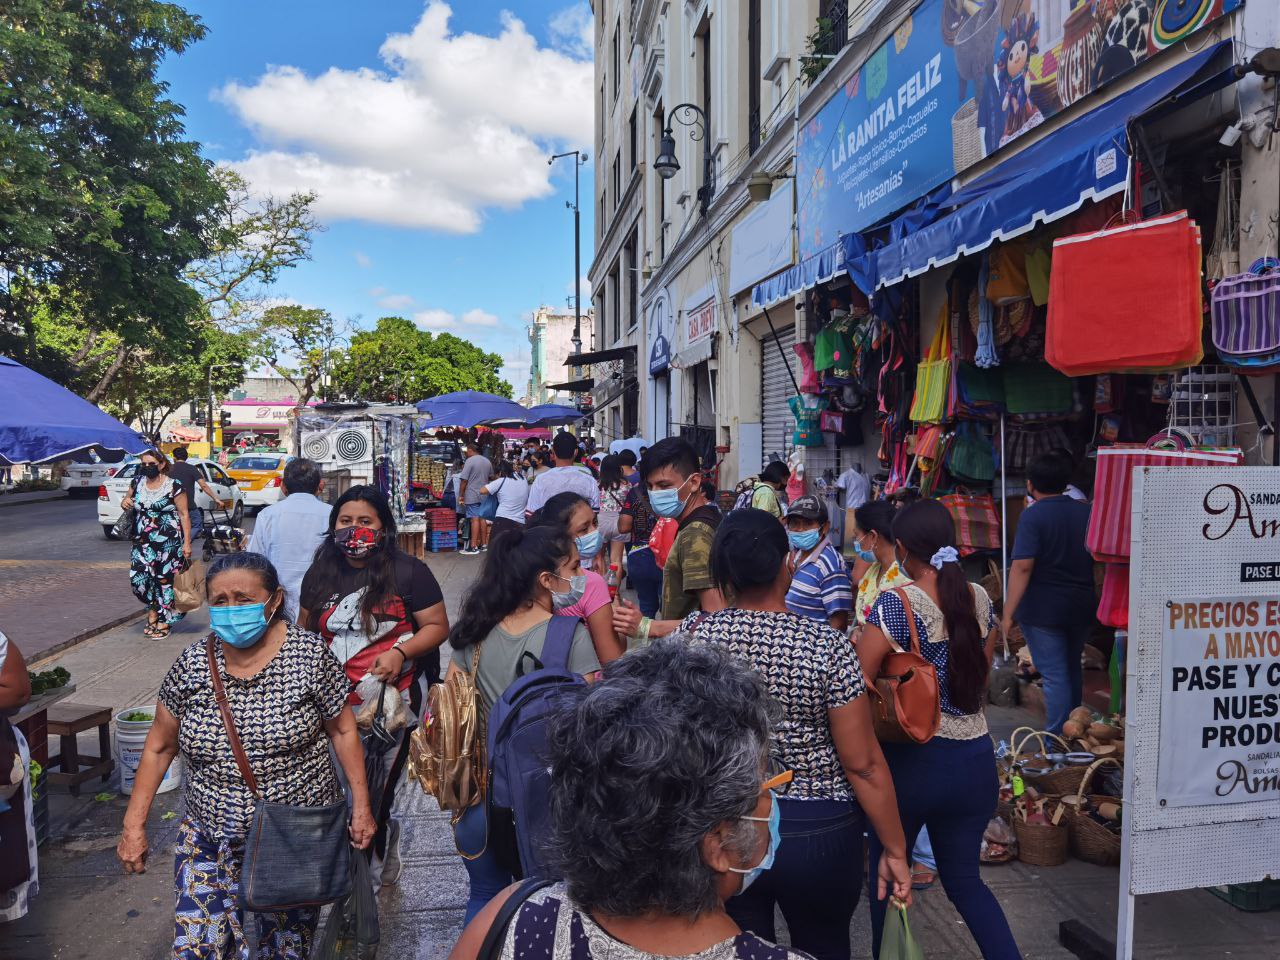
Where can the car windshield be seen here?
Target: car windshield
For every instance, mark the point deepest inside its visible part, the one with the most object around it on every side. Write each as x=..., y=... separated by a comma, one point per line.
x=128, y=470
x=255, y=463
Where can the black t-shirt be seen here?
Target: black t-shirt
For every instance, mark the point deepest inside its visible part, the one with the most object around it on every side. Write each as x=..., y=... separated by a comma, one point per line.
x=188, y=476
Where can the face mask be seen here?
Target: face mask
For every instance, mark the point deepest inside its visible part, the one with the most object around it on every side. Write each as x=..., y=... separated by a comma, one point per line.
x=866, y=556
x=588, y=544
x=357, y=542
x=804, y=540
x=577, y=587
x=150, y=471
x=667, y=503
x=239, y=627
x=775, y=840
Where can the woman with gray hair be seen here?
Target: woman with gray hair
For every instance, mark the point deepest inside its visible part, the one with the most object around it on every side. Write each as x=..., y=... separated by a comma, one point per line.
x=662, y=808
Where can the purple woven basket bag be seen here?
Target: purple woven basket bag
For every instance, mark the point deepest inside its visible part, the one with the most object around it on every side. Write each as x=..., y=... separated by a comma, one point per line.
x=1246, y=314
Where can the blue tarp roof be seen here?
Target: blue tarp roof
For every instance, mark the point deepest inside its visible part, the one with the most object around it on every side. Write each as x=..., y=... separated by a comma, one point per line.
x=41, y=421
x=468, y=408
x=1088, y=159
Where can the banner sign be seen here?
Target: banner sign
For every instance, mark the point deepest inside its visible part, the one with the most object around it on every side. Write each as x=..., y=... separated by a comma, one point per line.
x=702, y=322
x=958, y=81
x=1220, y=701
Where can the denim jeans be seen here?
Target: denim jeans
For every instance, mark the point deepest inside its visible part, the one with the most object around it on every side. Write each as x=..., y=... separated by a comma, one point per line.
x=646, y=576
x=488, y=877
x=1056, y=653
x=815, y=880
x=923, y=853
x=951, y=787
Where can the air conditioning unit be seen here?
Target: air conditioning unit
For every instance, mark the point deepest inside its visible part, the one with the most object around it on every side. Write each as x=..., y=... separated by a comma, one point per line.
x=349, y=444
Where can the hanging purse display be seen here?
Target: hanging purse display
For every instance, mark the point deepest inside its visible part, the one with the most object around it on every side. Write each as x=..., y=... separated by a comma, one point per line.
x=933, y=377
x=294, y=856
x=977, y=522
x=906, y=703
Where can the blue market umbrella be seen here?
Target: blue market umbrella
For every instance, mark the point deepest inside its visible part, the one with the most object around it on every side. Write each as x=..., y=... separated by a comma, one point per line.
x=41, y=422
x=469, y=408
x=552, y=414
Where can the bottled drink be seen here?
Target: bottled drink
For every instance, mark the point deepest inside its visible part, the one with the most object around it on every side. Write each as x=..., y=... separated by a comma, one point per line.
x=612, y=580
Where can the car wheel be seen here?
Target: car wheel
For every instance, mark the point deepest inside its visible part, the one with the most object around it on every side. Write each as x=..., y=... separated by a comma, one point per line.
x=109, y=531
x=237, y=515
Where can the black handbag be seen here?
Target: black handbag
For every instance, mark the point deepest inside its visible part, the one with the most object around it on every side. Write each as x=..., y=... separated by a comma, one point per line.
x=125, y=527
x=294, y=856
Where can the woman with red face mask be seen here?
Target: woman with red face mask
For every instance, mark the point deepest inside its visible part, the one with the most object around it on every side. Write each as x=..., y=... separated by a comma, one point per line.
x=382, y=614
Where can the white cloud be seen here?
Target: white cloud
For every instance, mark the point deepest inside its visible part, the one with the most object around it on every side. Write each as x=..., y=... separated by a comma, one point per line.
x=396, y=301
x=479, y=318
x=435, y=319
x=515, y=370
x=363, y=261
x=573, y=30
x=451, y=125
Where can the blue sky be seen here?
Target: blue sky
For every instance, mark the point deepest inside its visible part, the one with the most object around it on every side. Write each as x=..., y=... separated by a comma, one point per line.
x=425, y=127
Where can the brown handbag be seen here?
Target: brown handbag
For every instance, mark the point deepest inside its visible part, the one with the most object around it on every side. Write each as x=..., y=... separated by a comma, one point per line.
x=446, y=751
x=906, y=706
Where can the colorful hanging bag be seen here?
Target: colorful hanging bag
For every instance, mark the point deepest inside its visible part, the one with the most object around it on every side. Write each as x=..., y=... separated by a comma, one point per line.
x=977, y=522
x=1246, y=314
x=933, y=377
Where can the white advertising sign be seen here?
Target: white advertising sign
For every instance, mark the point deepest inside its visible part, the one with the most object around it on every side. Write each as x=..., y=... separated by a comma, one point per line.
x=762, y=242
x=1220, y=701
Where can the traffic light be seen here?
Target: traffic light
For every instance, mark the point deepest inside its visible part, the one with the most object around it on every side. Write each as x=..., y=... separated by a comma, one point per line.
x=224, y=418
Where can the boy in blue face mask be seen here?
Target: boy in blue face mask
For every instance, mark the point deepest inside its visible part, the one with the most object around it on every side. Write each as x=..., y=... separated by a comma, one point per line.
x=820, y=584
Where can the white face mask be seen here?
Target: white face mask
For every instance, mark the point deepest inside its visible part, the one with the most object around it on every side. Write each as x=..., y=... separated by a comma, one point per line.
x=577, y=587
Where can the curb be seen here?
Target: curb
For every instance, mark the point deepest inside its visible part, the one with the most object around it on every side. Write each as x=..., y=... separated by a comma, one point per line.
x=51, y=495
x=83, y=635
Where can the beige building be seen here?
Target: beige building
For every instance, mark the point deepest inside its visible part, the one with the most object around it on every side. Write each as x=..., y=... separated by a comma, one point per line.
x=550, y=345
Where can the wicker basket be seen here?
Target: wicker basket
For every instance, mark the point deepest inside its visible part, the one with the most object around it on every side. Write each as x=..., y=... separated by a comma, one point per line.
x=966, y=138
x=1042, y=844
x=1090, y=840
x=1060, y=782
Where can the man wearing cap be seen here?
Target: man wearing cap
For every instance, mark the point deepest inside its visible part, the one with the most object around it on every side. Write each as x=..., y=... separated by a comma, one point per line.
x=820, y=585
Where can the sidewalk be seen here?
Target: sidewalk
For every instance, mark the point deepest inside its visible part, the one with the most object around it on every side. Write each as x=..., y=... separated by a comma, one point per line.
x=34, y=496
x=85, y=896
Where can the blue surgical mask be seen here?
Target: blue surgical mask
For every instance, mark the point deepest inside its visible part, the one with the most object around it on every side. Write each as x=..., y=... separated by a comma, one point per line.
x=805, y=539
x=866, y=556
x=667, y=503
x=239, y=627
x=775, y=840
x=577, y=587
x=588, y=545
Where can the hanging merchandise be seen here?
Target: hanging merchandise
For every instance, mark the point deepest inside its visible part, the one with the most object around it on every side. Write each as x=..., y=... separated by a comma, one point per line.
x=1036, y=388
x=1039, y=261
x=985, y=355
x=833, y=349
x=933, y=377
x=808, y=375
x=1007, y=274
x=971, y=457
x=1224, y=255
x=1110, y=521
x=1113, y=607
x=979, y=392
x=1105, y=396
x=1102, y=290
x=807, y=411
x=1025, y=443
x=1246, y=316
x=977, y=522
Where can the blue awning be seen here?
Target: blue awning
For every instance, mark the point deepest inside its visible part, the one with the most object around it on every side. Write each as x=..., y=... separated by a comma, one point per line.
x=1088, y=159
x=808, y=273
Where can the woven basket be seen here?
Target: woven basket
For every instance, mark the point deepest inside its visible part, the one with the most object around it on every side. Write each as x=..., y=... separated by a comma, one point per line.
x=1060, y=782
x=966, y=138
x=1090, y=840
x=1042, y=844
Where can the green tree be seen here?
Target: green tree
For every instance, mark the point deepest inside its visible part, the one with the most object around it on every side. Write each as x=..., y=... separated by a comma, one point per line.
x=297, y=343
x=395, y=362
x=100, y=192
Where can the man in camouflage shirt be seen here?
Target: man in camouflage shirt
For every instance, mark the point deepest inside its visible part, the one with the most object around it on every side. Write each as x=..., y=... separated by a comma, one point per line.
x=670, y=472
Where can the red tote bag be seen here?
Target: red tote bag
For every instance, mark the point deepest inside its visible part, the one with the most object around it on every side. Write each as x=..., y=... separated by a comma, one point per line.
x=1113, y=607
x=977, y=522
x=1103, y=293
x=1111, y=522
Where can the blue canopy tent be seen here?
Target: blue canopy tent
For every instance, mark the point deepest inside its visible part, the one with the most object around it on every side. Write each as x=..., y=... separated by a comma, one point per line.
x=470, y=408
x=552, y=415
x=41, y=422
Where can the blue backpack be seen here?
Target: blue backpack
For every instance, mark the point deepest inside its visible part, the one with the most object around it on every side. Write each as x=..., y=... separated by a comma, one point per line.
x=519, y=778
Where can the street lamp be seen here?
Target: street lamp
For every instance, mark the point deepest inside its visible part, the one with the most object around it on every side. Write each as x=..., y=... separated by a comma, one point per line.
x=695, y=118
x=580, y=158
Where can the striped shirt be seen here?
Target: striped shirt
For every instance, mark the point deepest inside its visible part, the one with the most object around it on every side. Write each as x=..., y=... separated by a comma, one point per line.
x=820, y=587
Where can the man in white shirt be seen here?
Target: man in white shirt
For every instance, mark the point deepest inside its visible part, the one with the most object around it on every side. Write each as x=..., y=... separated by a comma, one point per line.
x=856, y=487
x=289, y=532
x=565, y=475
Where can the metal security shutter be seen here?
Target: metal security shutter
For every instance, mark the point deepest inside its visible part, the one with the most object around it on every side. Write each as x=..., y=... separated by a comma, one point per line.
x=775, y=390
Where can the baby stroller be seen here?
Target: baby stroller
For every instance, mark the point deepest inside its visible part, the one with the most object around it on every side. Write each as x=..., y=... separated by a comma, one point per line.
x=222, y=536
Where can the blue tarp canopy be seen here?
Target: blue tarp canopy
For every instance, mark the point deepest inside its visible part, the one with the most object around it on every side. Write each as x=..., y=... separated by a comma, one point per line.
x=41, y=422
x=470, y=408
x=811, y=271
x=1088, y=159
x=552, y=415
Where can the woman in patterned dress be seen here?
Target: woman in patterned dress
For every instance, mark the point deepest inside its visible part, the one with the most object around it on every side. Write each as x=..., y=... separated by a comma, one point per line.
x=161, y=540
x=663, y=806
x=825, y=736
x=19, y=879
x=288, y=696
x=948, y=784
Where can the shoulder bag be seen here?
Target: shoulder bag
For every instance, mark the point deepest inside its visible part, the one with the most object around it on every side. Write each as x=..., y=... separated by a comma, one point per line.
x=906, y=706
x=294, y=856
x=126, y=527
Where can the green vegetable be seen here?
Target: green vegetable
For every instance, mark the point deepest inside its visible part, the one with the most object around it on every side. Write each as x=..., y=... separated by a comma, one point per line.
x=104, y=797
x=169, y=815
x=138, y=715
x=48, y=680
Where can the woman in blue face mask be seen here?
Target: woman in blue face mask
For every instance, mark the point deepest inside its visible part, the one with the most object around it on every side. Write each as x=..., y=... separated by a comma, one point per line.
x=289, y=700
x=820, y=587
x=872, y=542
x=571, y=513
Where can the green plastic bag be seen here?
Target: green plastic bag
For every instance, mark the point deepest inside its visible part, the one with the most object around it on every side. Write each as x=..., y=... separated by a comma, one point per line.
x=897, y=943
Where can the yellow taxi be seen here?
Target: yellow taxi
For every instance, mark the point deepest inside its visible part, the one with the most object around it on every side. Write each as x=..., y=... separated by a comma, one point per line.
x=260, y=477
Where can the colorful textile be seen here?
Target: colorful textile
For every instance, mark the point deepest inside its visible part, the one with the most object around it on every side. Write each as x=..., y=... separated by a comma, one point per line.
x=820, y=586
x=933, y=377
x=807, y=411
x=157, y=548
x=872, y=585
x=208, y=916
x=15, y=901
x=1246, y=314
x=976, y=520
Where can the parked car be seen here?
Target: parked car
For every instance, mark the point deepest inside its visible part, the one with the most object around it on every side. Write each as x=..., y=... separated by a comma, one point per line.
x=260, y=477
x=84, y=478
x=113, y=489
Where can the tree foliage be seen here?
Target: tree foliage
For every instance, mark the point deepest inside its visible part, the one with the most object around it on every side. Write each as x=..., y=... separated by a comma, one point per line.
x=397, y=363
x=297, y=343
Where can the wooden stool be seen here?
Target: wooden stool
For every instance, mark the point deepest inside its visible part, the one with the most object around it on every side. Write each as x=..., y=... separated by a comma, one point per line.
x=66, y=720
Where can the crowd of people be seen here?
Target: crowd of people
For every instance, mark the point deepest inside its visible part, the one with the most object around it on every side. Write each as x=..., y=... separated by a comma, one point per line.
x=714, y=761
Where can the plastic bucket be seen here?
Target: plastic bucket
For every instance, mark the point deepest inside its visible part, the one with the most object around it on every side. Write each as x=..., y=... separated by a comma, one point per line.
x=130, y=737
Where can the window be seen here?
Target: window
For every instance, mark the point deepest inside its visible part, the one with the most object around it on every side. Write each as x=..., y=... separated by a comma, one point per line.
x=635, y=143
x=617, y=178
x=754, y=69
x=617, y=58
x=604, y=206
x=633, y=281
x=615, y=292
x=703, y=47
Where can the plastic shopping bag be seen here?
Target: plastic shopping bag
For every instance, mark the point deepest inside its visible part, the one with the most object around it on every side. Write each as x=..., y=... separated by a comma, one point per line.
x=352, y=931
x=897, y=943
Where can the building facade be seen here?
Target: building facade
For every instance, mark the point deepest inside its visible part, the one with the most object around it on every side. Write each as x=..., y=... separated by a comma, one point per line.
x=550, y=345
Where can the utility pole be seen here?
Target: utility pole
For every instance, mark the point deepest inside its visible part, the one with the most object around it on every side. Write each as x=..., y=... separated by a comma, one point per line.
x=580, y=158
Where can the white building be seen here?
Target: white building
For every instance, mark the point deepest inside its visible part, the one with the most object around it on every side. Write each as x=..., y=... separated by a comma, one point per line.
x=550, y=345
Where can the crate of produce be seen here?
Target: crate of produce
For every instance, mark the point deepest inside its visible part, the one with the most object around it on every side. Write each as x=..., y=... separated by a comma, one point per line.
x=1251, y=897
